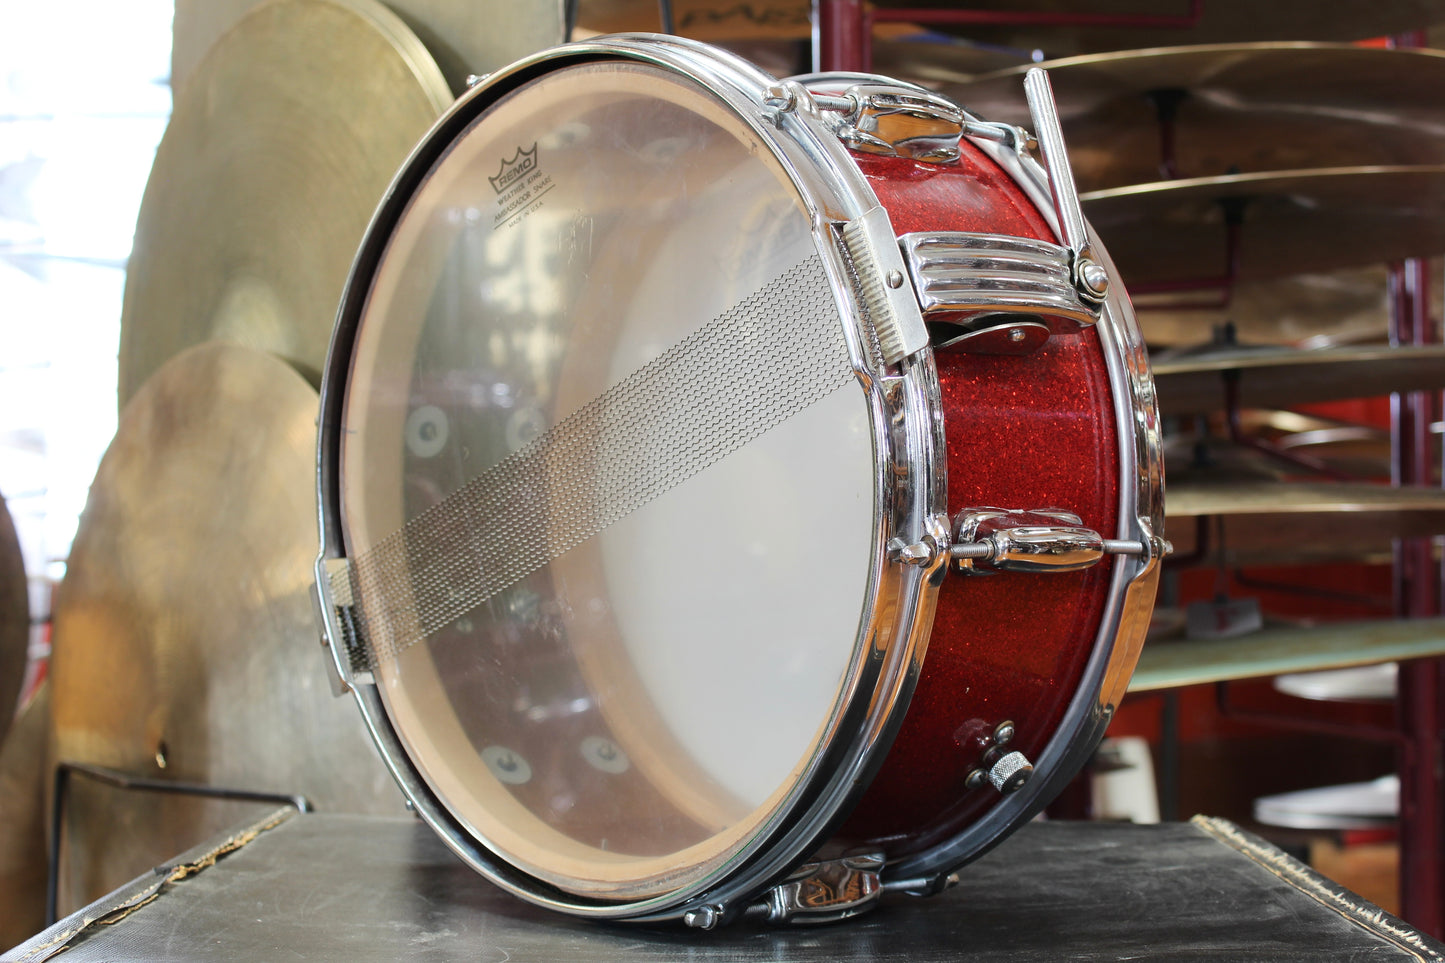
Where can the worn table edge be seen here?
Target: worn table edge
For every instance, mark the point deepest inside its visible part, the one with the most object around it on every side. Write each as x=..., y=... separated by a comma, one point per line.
x=130, y=897
x=148, y=888
x=1322, y=889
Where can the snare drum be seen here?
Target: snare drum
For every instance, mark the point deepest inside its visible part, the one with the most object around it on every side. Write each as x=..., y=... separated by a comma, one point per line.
x=737, y=497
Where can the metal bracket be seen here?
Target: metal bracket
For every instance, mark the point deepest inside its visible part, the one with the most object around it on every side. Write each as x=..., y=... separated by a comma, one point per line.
x=879, y=268
x=823, y=891
x=979, y=283
x=331, y=598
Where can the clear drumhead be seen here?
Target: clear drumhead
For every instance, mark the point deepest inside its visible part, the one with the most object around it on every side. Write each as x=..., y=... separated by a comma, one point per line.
x=609, y=479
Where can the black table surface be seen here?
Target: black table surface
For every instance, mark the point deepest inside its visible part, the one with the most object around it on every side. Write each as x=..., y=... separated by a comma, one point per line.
x=358, y=888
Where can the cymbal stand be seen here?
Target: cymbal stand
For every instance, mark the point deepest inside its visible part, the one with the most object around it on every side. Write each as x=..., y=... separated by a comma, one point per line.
x=126, y=781
x=1238, y=436
x=1421, y=682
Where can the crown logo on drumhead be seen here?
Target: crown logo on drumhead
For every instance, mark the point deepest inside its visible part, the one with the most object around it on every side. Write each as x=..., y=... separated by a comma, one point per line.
x=522, y=163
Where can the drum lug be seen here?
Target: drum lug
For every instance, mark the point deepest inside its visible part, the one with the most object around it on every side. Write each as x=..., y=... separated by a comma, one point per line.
x=879, y=118
x=822, y=891
x=988, y=540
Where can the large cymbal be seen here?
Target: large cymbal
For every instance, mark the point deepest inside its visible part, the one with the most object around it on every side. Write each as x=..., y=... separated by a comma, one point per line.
x=1273, y=651
x=1352, y=451
x=710, y=20
x=1341, y=307
x=280, y=147
x=185, y=647
x=475, y=37
x=1293, y=221
x=1220, y=21
x=23, y=857
x=1277, y=377
x=14, y=619
x=924, y=58
x=1237, y=108
x=1277, y=522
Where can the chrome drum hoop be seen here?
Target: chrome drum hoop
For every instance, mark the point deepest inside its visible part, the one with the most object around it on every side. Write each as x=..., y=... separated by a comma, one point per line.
x=902, y=400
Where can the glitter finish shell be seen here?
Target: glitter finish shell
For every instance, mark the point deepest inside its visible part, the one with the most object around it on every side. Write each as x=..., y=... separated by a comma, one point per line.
x=1028, y=432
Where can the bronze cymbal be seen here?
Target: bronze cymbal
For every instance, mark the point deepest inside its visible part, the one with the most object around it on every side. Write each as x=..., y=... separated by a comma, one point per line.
x=1353, y=451
x=281, y=144
x=933, y=61
x=1278, y=650
x=23, y=790
x=1189, y=458
x=710, y=20
x=475, y=37
x=1420, y=509
x=14, y=620
x=1220, y=21
x=1341, y=307
x=1293, y=221
x=1280, y=522
x=1235, y=108
x=185, y=646
x=1277, y=377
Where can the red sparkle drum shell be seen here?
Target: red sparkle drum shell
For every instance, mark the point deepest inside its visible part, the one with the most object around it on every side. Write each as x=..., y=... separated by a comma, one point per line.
x=619, y=454
x=1036, y=431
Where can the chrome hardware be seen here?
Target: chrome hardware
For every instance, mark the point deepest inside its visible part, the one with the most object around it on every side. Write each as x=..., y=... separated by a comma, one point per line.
x=924, y=886
x=1089, y=276
x=986, y=540
x=976, y=282
x=704, y=917
x=927, y=549
x=1020, y=140
x=1010, y=773
x=878, y=266
x=332, y=603
x=1005, y=771
x=901, y=122
x=824, y=891
x=1011, y=335
x=879, y=118
x=1093, y=278
x=792, y=96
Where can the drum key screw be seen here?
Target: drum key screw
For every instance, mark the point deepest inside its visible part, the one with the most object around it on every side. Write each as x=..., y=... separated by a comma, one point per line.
x=1003, y=734
x=703, y=918
x=894, y=279
x=791, y=95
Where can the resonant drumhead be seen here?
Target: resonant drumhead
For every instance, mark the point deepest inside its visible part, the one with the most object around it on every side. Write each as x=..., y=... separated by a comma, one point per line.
x=608, y=483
